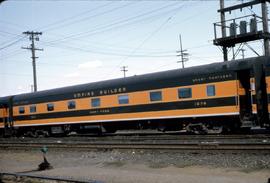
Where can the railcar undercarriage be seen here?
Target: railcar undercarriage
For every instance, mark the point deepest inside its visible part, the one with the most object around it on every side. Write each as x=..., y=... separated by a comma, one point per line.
x=216, y=125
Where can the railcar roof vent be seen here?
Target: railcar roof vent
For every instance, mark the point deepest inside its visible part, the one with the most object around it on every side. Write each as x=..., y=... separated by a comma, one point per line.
x=224, y=67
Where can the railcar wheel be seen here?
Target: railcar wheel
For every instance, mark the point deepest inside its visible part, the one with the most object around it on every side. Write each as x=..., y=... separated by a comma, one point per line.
x=108, y=129
x=230, y=127
x=111, y=130
x=199, y=129
x=1, y=133
x=245, y=130
x=30, y=134
x=161, y=129
x=41, y=133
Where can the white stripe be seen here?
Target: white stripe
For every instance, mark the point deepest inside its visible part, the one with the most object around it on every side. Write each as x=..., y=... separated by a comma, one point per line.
x=132, y=119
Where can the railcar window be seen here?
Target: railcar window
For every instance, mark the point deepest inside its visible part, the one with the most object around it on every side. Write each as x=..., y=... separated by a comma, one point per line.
x=71, y=104
x=95, y=102
x=21, y=110
x=123, y=99
x=33, y=109
x=50, y=107
x=211, y=90
x=155, y=96
x=184, y=93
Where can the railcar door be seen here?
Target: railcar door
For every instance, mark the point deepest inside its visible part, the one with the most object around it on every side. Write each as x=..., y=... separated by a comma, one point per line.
x=3, y=116
x=267, y=79
x=261, y=94
x=245, y=98
x=4, y=113
x=8, y=125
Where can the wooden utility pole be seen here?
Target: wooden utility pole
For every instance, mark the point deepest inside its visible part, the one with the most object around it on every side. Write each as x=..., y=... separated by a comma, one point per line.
x=33, y=36
x=124, y=70
x=182, y=54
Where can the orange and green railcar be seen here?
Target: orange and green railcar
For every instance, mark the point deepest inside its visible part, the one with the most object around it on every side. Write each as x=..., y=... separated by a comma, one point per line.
x=214, y=96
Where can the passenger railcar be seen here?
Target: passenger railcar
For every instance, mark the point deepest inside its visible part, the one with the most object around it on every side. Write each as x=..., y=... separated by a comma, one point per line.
x=220, y=96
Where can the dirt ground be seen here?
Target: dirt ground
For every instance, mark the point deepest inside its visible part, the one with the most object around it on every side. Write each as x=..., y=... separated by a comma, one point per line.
x=136, y=167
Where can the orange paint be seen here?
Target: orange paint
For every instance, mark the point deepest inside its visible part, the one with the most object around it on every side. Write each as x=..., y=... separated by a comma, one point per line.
x=223, y=89
x=156, y=114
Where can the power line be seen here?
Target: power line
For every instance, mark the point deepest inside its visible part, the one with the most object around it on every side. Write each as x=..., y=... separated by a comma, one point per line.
x=146, y=39
x=106, y=52
x=114, y=28
x=8, y=33
x=118, y=51
x=11, y=54
x=113, y=25
x=61, y=25
x=12, y=43
x=59, y=22
x=12, y=39
x=111, y=48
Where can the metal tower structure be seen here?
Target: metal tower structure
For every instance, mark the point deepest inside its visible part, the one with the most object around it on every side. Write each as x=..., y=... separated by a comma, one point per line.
x=235, y=31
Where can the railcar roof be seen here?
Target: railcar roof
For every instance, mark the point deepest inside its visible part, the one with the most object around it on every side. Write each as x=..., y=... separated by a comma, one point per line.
x=196, y=70
x=4, y=100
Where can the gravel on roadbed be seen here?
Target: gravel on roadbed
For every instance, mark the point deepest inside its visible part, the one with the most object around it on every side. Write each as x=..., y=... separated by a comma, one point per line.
x=67, y=163
x=156, y=159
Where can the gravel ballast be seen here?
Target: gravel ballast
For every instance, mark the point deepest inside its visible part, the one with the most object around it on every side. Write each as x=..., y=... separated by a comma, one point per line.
x=142, y=166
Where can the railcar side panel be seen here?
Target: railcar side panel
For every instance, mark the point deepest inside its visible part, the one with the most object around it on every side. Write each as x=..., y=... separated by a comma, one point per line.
x=223, y=89
x=224, y=102
x=3, y=116
x=267, y=79
x=187, y=113
x=253, y=94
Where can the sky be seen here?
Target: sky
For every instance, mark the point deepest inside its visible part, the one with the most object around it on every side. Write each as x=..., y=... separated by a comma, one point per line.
x=86, y=41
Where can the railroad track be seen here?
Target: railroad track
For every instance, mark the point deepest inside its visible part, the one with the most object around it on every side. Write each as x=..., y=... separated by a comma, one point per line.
x=161, y=145
x=19, y=177
x=257, y=137
x=143, y=137
x=154, y=142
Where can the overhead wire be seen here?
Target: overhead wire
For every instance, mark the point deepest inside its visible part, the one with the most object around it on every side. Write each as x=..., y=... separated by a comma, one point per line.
x=125, y=27
x=141, y=55
x=12, y=39
x=108, y=49
x=12, y=43
x=143, y=42
x=129, y=55
x=132, y=54
x=101, y=52
x=61, y=25
x=112, y=52
x=64, y=19
x=12, y=54
x=110, y=25
x=114, y=46
x=87, y=18
x=5, y=32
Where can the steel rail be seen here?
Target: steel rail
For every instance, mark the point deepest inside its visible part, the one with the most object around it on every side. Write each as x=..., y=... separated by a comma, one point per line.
x=144, y=137
x=142, y=145
x=19, y=177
